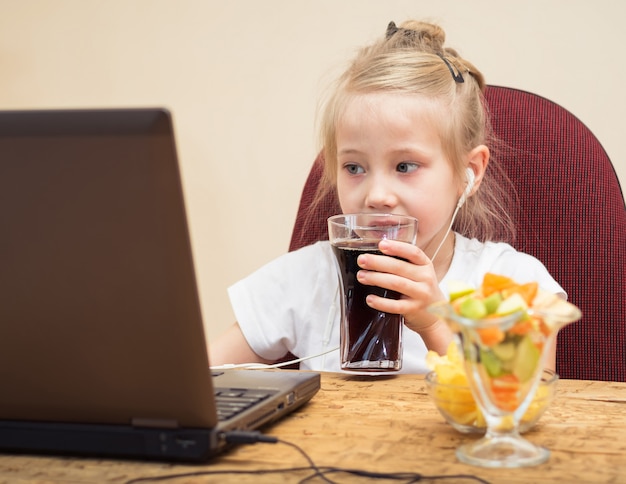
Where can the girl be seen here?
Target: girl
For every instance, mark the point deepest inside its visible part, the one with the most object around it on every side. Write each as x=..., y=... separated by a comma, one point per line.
x=406, y=132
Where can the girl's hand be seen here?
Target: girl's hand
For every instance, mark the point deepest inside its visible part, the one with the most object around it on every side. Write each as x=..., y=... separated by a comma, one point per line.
x=415, y=279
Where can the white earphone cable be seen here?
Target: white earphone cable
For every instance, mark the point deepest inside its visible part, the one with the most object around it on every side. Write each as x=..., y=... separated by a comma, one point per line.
x=470, y=184
x=263, y=366
x=456, y=210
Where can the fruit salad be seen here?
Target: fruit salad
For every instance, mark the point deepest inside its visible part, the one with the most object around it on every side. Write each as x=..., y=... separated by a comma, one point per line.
x=507, y=338
x=453, y=397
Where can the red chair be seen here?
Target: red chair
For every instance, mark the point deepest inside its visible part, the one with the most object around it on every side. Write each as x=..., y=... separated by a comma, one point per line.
x=571, y=216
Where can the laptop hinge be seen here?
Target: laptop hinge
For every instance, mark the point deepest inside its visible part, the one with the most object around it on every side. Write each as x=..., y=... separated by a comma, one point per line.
x=161, y=423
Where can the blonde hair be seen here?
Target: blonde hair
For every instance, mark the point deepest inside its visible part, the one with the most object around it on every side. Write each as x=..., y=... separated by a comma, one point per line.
x=412, y=59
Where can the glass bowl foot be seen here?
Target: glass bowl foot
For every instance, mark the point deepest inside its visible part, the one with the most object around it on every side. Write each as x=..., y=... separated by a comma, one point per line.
x=503, y=451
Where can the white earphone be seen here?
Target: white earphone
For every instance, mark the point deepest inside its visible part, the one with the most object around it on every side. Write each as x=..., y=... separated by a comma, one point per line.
x=471, y=179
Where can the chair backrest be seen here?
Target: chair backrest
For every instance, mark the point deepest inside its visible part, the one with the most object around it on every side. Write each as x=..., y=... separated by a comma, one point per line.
x=572, y=217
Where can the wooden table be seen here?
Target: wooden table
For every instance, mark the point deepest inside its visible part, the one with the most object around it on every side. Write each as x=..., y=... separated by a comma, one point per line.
x=383, y=424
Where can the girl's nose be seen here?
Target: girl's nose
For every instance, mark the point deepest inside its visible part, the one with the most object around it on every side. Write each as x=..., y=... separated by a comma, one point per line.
x=380, y=196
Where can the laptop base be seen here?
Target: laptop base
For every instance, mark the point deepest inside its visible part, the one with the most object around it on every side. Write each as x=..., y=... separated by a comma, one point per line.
x=116, y=441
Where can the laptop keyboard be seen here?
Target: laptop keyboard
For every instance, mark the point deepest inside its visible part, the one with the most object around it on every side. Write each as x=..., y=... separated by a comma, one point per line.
x=232, y=401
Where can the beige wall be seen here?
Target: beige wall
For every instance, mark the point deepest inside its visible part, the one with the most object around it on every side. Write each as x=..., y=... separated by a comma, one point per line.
x=242, y=79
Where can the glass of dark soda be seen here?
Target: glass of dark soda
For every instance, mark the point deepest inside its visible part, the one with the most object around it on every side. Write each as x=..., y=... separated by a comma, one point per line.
x=370, y=340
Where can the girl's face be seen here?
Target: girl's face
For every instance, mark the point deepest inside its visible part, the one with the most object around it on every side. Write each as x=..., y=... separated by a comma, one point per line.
x=390, y=159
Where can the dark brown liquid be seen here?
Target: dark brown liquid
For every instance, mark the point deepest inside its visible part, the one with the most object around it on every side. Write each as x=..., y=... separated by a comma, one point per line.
x=368, y=334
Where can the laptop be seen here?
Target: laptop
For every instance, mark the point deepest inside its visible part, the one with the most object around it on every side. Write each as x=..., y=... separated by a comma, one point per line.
x=102, y=348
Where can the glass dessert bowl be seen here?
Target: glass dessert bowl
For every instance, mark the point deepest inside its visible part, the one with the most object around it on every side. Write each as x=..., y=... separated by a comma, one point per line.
x=456, y=403
x=505, y=332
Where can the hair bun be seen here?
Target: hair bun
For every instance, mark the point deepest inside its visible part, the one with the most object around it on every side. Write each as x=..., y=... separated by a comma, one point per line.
x=421, y=35
x=430, y=38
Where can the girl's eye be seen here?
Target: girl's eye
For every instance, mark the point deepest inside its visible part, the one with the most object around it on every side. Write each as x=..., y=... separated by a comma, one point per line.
x=406, y=167
x=354, y=169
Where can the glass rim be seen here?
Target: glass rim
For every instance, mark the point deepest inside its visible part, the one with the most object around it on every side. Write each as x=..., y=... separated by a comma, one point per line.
x=402, y=219
x=548, y=377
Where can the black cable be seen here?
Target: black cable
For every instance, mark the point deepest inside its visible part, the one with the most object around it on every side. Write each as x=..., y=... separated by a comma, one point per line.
x=249, y=437
x=246, y=437
x=312, y=464
x=259, y=472
x=239, y=437
x=408, y=477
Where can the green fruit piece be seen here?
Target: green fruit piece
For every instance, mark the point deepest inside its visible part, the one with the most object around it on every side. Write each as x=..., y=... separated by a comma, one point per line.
x=459, y=289
x=526, y=359
x=492, y=302
x=511, y=304
x=491, y=362
x=472, y=308
x=505, y=350
x=507, y=366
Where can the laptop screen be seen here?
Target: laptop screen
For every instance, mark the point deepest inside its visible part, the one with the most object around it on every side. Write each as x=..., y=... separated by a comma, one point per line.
x=96, y=267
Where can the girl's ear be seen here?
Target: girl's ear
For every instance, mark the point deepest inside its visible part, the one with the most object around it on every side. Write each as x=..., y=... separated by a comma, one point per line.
x=477, y=161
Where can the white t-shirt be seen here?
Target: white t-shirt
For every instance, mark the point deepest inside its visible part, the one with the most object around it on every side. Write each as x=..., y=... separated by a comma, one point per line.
x=292, y=303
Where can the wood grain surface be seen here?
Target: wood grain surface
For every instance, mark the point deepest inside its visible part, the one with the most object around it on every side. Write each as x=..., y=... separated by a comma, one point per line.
x=381, y=424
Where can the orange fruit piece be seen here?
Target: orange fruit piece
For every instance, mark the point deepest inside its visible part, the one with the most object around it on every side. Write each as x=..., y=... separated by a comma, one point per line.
x=521, y=327
x=528, y=291
x=495, y=283
x=491, y=336
x=504, y=390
